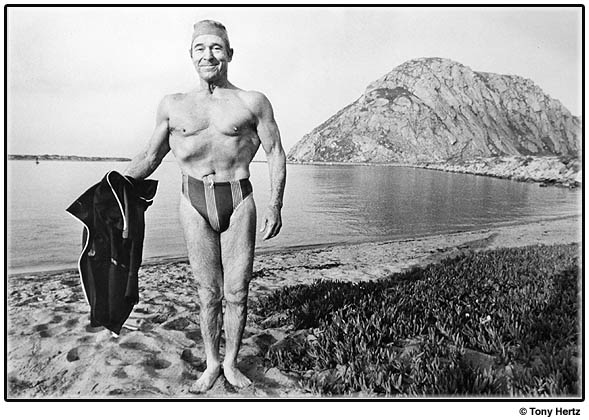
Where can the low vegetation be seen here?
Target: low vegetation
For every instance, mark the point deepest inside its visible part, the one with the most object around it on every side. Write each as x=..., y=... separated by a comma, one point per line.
x=496, y=323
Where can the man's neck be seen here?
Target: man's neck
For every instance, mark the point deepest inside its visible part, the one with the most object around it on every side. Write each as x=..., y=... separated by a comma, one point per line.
x=210, y=86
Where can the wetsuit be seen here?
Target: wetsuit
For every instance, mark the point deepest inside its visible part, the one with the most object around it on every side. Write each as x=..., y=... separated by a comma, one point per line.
x=215, y=201
x=112, y=213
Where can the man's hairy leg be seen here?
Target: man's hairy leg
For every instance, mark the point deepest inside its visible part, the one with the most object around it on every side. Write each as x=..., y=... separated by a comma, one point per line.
x=237, y=252
x=205, y=259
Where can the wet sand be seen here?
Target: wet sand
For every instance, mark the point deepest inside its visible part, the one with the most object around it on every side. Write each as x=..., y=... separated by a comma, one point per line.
x=54, y=353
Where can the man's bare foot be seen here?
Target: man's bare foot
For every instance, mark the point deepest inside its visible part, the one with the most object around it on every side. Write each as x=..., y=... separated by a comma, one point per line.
x=206, y=380
x=235, y=377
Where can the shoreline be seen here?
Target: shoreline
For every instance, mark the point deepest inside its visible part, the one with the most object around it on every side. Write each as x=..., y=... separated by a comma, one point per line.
x=66, y=158
x=154, y=261
x=53, y=352
x=543, y=170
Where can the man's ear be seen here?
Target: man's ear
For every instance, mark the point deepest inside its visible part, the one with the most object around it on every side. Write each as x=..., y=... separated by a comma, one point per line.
x=230, y=54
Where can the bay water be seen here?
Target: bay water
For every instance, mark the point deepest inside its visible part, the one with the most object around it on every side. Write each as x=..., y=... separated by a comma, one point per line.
x=323, y=205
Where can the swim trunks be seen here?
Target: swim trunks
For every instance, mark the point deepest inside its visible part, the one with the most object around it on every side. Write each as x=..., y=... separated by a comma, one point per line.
x=215, y=201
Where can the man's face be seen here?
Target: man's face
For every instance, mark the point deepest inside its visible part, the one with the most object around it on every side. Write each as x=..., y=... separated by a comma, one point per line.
x=210, y=56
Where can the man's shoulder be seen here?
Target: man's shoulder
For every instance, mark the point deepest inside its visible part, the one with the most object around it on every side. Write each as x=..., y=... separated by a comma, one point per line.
x=251, y=95
x=171, y=101
x=174, y=97
x=254, y=100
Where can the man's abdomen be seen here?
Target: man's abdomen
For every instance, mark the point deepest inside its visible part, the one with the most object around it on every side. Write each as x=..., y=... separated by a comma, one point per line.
x=225, y=157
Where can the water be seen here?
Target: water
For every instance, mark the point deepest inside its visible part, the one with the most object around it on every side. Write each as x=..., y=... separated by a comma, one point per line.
x=323, y=205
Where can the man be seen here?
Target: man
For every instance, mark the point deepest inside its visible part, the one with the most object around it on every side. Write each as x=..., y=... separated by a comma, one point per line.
x=214, y=132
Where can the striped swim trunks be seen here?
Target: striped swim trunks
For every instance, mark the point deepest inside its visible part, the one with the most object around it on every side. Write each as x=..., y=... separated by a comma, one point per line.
x=215, y=201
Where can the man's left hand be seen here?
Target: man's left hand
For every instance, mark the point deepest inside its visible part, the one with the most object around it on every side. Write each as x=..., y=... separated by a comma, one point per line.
x=272, y=222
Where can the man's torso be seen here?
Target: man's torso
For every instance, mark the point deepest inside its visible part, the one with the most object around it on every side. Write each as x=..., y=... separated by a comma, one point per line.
x=213, y=134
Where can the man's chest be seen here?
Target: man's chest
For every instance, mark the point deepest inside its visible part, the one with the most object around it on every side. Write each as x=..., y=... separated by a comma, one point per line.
x=227, y=117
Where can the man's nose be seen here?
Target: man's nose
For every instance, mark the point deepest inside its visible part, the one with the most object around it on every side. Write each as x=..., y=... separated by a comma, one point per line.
x=207, y=53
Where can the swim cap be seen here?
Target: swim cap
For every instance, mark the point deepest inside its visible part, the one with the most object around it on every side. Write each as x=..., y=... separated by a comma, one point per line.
x=210, y=27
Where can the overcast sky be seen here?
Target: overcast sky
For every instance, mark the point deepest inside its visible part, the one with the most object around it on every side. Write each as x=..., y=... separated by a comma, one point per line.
x=87, y=81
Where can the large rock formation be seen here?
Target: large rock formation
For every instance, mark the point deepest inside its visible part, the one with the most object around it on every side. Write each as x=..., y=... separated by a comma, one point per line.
x=438, y=110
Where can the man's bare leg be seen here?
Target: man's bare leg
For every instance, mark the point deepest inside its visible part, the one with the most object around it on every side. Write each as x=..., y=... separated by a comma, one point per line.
x=205, y=259
x=237, y=253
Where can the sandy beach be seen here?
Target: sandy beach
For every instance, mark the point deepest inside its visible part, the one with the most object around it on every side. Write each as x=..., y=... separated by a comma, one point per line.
x=54, y=353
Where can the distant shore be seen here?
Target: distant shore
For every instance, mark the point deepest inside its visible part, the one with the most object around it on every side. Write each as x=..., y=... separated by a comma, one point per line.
x=69, y=158
x=545, y=170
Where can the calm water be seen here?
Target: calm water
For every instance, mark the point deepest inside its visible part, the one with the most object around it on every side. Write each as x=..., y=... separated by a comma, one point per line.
x=322, y=205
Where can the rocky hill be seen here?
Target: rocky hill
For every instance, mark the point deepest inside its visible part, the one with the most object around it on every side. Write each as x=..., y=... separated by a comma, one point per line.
x=435, y=110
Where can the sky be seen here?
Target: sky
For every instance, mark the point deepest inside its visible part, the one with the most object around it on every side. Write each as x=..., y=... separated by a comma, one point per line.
x=87, y=81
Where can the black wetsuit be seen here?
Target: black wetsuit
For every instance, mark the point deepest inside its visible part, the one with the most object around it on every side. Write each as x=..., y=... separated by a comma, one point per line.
x=112, y=212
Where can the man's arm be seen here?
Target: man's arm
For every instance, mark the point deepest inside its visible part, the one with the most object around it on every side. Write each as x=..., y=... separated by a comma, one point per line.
x=158, y=147
x=270, y=139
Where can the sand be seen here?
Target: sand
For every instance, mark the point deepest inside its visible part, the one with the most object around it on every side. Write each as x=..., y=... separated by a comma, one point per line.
x=54, y=353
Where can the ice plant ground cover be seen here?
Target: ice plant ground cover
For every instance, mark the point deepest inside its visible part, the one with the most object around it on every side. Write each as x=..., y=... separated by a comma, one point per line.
x=497, y=323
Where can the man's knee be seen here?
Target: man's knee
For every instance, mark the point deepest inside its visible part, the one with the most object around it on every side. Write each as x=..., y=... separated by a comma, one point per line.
x=236, y=295
x=209, y=295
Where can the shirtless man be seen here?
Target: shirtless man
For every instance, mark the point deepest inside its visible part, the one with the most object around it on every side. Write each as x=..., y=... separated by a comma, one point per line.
x=214, y=132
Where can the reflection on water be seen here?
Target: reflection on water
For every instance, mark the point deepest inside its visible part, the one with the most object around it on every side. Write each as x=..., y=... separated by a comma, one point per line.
x=392, y=202
x=323, y=204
